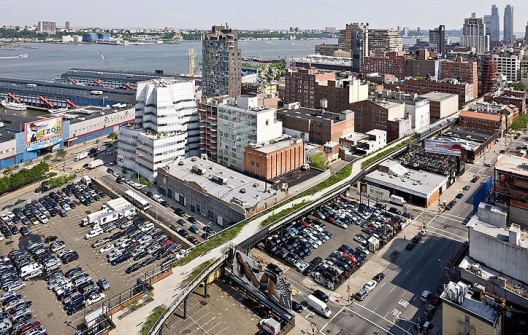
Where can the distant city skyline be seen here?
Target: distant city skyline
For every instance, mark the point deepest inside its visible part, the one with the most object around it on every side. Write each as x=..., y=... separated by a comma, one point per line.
x=272, y=14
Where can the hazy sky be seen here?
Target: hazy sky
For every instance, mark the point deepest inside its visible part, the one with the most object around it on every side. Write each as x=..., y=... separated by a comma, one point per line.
x=275, y=14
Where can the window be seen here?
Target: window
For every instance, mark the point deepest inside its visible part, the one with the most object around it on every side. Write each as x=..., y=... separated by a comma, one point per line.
x=466, y=318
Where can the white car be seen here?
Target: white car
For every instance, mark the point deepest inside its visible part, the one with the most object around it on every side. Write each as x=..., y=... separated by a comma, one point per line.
x=106, y=248
x=157, y=198
x=93, y=233
x=57, y=245
x=370, y=285
x=423, y=232
x=362, y=248
x=95, y=298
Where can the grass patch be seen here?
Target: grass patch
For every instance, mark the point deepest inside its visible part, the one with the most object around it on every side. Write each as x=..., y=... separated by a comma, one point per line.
x=520, y=122
x=151, y=319
x=60, y=180
x=197, y=270
x=213, y=243
x=280, y=215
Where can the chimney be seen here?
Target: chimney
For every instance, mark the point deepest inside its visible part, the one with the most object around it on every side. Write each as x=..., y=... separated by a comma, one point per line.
x=515, y=234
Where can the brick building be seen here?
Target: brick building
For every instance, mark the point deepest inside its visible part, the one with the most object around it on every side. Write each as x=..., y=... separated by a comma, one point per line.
x=317, y=126
x=487, y=76
x=509, y=97
x=441, y=105
x=464, y=91
x=382, y=115
x=390, y=63
x=301, y=84
x=461, y=70
x=275, y=159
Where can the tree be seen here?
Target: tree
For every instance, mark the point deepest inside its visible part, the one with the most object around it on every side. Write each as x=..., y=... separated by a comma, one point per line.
x=112, y=135
x=133, y=176
x=318, y=161
x=7, y=171
x=61, y=153
x=142, y=180
x=47, y=157
x=518, y=86
x=149, y=184
x=124, y=170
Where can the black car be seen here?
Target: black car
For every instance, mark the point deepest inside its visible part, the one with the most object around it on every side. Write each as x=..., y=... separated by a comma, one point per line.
x=183, y=233
x=165, y=203
x=191, y=219
x=379, y=277
x=417, y=238
x=321, y=295
x=274, y=268
x=50, y=239
x=410, y=246
x=24, y=230
x=109, y=170
x=132, y=268
x=179, y=211
x=297, y=307
x=181, y=222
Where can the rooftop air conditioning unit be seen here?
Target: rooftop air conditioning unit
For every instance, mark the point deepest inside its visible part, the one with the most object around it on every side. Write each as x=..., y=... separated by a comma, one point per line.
x=242, y=190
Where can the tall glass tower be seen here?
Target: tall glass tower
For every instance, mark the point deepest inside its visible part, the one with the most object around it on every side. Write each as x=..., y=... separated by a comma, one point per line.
x=508, y=24
x=494, y=27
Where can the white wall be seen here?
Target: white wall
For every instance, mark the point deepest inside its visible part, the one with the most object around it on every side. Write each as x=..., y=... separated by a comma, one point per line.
x=501, y=256
x=449, y=106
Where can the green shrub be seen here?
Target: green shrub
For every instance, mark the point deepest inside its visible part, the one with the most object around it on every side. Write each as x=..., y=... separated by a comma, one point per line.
x=151, y=319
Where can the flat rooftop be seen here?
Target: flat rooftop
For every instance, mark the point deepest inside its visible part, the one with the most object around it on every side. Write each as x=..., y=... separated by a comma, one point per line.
x=467, y=303
x=467, y=134
x=496, y=232
x=419, y=183
x=13, y=124
x=312, y=114
x=512, y=164
x=272, y=147
x=438, y=96
x=249, y=190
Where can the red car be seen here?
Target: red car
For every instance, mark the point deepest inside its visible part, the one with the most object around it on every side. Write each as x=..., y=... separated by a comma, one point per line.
x=167, y=243
x=24, y=329
x=193, y=240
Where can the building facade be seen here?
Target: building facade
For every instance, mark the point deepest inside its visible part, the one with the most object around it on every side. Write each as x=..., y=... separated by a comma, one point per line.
x=437, y=40
x=48, y=27
x=382, y=115
x=355, y=39
x=242, y=123
x=494, y=28
x=460, y=69
x=508, y=25
x=301, y=85
x=509, y=64
x=208, y=114
x=474, y=34
x=382, y=40
x=167, y=127
x=464, y=91
x=441, y=105
x=316, y=126
x=275, y=159
x=389, y=63
x=487, y=70
x=221, y=63
x=511, y=188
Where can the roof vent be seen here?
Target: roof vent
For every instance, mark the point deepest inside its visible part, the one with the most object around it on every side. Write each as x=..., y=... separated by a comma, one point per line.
x=242, y=190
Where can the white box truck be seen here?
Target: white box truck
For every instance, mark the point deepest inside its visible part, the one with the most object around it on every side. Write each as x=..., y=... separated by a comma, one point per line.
x=95, y=163
x=318, y=306
x=272, y=326
x=396, y=199
x=100, y=217
x=80, y=156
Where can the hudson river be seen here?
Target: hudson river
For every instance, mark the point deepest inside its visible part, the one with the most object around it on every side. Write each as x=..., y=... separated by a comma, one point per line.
x=46, y=60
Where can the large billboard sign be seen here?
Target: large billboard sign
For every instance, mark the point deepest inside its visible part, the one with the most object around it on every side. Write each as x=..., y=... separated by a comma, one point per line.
x=374, y=192
x=262, y=281
x=43, y=133
x=443, y=146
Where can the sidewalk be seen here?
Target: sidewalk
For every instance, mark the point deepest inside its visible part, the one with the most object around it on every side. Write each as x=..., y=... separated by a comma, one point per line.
x=167, y=289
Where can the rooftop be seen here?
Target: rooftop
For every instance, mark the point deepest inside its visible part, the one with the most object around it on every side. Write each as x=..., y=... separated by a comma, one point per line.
x=512, y=164
x=459, y=294
x=497, y=232
x=481, y=115
x=220, y=182
x=272, y=147
x=13, y=124
x=419, y=183
x=468, y=135
x=312, y=114
x=438, y=96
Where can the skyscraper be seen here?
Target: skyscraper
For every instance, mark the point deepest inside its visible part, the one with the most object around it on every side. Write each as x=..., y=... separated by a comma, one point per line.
x=474, y=34
x=494, y=28
x=221, y=63
x=437, y=40
x=355, y=38
x=508, y=24
x=526, y=35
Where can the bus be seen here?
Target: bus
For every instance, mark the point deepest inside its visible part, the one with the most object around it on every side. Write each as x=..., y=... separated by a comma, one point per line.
x=137, y=200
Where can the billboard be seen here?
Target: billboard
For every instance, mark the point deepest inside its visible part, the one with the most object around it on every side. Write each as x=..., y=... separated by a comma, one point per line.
x=374, y=192
x=443, y=146
x=263, y=281
x=43, y=133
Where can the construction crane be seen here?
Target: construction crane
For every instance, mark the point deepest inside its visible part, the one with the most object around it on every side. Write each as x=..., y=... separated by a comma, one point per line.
x=128, y=86
x=71, y=104
x=72, y=81
x=192, y=64
x=14, y=97
x=46, y=102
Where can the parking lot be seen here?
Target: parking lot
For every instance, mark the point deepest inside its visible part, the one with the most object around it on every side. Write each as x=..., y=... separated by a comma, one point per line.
x=46, y=306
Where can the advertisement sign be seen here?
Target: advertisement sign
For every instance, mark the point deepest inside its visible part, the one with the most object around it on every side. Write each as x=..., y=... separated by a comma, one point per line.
x=43, y=133
x=374, y=192
x=443, y=146
x=263, y=281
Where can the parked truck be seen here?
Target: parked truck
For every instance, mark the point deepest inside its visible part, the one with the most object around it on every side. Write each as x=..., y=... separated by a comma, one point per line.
x=318, y=306
x=80, y=156
x=95, y=163
x=272, y=326
x=396, y=199
x=100, y=217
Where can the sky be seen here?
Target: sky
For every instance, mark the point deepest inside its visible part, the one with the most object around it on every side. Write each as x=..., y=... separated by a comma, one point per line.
x=244, y=14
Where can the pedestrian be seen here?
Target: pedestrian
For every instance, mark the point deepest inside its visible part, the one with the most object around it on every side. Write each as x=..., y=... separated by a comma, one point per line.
x=404, y=237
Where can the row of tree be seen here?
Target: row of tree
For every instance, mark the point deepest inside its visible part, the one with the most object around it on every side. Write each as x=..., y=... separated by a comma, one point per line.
x=12, y=181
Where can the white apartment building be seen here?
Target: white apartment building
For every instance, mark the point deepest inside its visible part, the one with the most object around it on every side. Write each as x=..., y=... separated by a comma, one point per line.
x=474, y=34
x=167, y=127
x=509, y=64
x=241, y=123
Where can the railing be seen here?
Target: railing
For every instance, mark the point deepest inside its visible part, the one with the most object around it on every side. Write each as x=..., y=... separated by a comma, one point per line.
x=183, y=294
